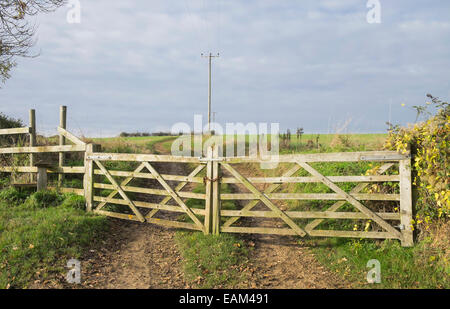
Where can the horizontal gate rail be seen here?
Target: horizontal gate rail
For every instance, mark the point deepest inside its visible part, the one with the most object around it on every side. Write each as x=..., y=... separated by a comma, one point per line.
x=140, y=157
x=382, y=156
x=14, y=131
x=313, y=196
x=379, y=178
x=41, y=149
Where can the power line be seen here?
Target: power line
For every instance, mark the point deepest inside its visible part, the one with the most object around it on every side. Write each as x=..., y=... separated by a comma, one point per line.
x=210, y=56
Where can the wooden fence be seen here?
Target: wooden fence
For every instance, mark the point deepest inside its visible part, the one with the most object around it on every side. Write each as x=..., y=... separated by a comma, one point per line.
x=42, y=168
x=197, y=198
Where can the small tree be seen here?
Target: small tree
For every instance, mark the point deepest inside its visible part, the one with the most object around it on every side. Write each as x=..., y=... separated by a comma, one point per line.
x=16, y=33
x=299, y=134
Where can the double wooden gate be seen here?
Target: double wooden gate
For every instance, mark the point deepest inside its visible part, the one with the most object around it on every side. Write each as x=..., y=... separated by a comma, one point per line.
x=197, y=201
x=125, y=186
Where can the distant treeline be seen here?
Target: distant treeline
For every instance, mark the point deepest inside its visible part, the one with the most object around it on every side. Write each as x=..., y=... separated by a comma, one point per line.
x=137, y=134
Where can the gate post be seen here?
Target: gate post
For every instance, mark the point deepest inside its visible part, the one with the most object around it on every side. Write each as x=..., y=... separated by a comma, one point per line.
x=406, y=202
x=208, y=192
x=88, y=180
x=216, y=191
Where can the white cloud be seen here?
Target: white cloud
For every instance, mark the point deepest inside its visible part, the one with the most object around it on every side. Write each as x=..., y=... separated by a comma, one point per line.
x=134, y=65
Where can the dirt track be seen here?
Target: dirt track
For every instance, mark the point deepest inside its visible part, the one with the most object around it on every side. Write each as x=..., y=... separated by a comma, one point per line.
x=142, y=255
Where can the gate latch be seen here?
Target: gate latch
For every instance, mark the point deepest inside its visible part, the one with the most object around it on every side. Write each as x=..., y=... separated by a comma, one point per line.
x=205, y=179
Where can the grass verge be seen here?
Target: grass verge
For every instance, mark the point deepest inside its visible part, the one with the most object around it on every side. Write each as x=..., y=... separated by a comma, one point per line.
x=212, y=261
x=39, y=233
x=422, y=266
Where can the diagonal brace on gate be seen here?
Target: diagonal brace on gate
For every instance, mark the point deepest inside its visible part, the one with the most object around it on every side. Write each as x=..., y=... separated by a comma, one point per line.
x=120, y=190
x=174, y=195
x=178, y=188
x=123, y=183
x=270, y=189
x=310, y=226
x=350, y=199
x=265, y=200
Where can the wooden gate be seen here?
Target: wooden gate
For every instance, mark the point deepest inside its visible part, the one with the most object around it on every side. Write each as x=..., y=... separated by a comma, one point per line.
x=212, y=171
x=123, y=186
x=103, y=172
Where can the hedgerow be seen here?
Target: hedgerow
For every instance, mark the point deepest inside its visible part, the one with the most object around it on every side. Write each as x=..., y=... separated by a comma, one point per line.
x=429, y=142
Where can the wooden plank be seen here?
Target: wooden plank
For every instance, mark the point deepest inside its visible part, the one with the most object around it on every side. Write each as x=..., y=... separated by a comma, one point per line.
x=122, y=184
x=313, y=196
x=68, y=190
x=166, y=177
x=88, y=179
x=208, y=193
x=351, y=200
x=178, y=188
x=215, y=196
x=257, y=230
x=33, y=169
x=199, y=196
x=270, y=189
x=13, y=131
x=101, y=156
x=166, y=223
x=406, y=202
x=121, y=192
x=117, y=215
x=153, y=206
x=24, y=185
x=389, y=156
x=265, y=200
x=32, y=116
x=308, y=214
x=174, y=195
x=70, y=136
x=374, y=178
x=310, y=226
x=38, y=149
x=352, y=234
x=62, y=140
x=41, y=179
x=176, y=224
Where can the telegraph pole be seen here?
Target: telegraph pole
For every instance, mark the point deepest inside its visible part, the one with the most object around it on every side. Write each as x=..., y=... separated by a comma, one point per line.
x=210, y=56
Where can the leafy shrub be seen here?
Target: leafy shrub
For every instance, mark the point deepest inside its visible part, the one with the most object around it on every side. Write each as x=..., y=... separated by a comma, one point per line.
x=12, y=195
x=74, y=201
x=44, y=199
x=430, y=146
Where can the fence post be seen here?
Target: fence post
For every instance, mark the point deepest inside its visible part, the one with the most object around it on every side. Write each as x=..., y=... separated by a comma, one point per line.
x=406, y=202
x=32, y=138
x=216, y=191
x=88, y=181
x=42, y=178
x=208, y=193
x=62, y=140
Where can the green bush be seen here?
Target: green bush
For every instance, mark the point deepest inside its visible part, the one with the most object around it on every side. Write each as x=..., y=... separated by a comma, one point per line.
x=429, y=142
x=12, y=195
x=74, y=201
x=44, y=199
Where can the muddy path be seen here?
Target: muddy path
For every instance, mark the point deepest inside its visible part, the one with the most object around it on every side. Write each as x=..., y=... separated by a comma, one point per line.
x=282, y=262
x=142, y=255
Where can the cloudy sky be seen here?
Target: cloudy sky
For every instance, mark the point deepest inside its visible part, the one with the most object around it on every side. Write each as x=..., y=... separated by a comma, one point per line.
x=135, y=65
